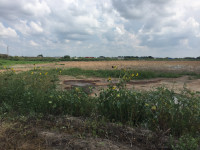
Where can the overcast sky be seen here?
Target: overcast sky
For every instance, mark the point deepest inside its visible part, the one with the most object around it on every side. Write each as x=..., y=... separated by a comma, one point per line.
x=159, y=28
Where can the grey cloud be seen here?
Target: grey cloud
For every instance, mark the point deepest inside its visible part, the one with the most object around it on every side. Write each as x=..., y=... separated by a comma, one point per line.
x=139, y=9
x=21, y=9
x=106, y=27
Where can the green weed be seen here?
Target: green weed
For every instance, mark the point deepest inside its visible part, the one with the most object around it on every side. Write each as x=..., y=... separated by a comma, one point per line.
x=35, y=93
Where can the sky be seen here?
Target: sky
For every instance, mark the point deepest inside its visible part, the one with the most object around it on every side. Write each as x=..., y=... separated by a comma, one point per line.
x=158, y=28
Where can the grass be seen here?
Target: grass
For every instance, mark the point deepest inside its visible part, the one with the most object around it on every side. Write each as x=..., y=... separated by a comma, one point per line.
x=5, y=62
x=142, y=74
x=34, y=93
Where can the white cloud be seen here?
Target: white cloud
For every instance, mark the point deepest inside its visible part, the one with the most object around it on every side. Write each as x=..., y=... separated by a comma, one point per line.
x=7, y=32
x=32, y=43
x=28, y=28
x=37, y=8
x=36, y=27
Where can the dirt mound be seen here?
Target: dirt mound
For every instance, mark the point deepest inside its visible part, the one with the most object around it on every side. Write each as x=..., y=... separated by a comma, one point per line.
x=59, y=133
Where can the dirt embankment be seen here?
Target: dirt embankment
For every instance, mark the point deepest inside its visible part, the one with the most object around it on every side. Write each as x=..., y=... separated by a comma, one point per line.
x=72, y=133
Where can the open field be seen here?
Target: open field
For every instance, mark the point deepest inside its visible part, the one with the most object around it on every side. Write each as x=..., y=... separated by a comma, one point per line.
x=177, y=66
x=57, y=106
x=173, y=67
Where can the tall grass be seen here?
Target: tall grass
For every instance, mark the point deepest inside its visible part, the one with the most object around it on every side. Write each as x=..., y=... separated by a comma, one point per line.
x=35, y=92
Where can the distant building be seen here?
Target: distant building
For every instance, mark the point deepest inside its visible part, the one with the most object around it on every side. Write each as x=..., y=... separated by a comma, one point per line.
x=89, y=57
x=120, y=57
x=101, y=57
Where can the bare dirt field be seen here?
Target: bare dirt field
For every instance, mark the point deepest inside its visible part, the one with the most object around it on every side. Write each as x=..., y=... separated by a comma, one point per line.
x=191, y=66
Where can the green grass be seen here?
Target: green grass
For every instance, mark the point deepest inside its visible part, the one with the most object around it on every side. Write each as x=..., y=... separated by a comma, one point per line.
x=142, y=74
x=4, y=62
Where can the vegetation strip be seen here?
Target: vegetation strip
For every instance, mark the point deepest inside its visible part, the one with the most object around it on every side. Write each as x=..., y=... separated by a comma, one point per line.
x=34, y=94
x=142, y=74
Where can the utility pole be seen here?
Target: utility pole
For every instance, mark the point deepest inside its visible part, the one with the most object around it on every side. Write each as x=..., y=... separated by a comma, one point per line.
x=7, y=50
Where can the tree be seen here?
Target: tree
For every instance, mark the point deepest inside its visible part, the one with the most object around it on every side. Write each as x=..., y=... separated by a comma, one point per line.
x=40, y=55
x=66, y=57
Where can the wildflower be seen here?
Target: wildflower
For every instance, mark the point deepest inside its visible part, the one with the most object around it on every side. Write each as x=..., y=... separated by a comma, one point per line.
x=11, y=68
x=60, y=71
x=32, y=73
x=118, y=95
x=4, y=67
x=146, y=104
x=137, y=74
x=50, y=102
x=114, y=87
x=109, y=79
x=77, y=89
x=46, y=73
x=114, y=67
x=40, y=73
x=153, y=108
x=132, y=75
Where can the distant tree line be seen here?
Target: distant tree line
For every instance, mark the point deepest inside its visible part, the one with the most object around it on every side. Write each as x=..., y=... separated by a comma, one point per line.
x=40, y=57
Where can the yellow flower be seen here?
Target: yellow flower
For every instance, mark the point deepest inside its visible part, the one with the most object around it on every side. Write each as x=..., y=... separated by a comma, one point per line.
x=40, y=73
x=109, y=78
x=114, y=67
x=146, y=104
x=11, y=68
x=32, y=73
x=118, y=95
x=60, y=71
x=137, y=74
x=114, y=87
x=77, y=89
x=4, y=67
x=132, y=74
x=153, y=108
x=46, y=73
